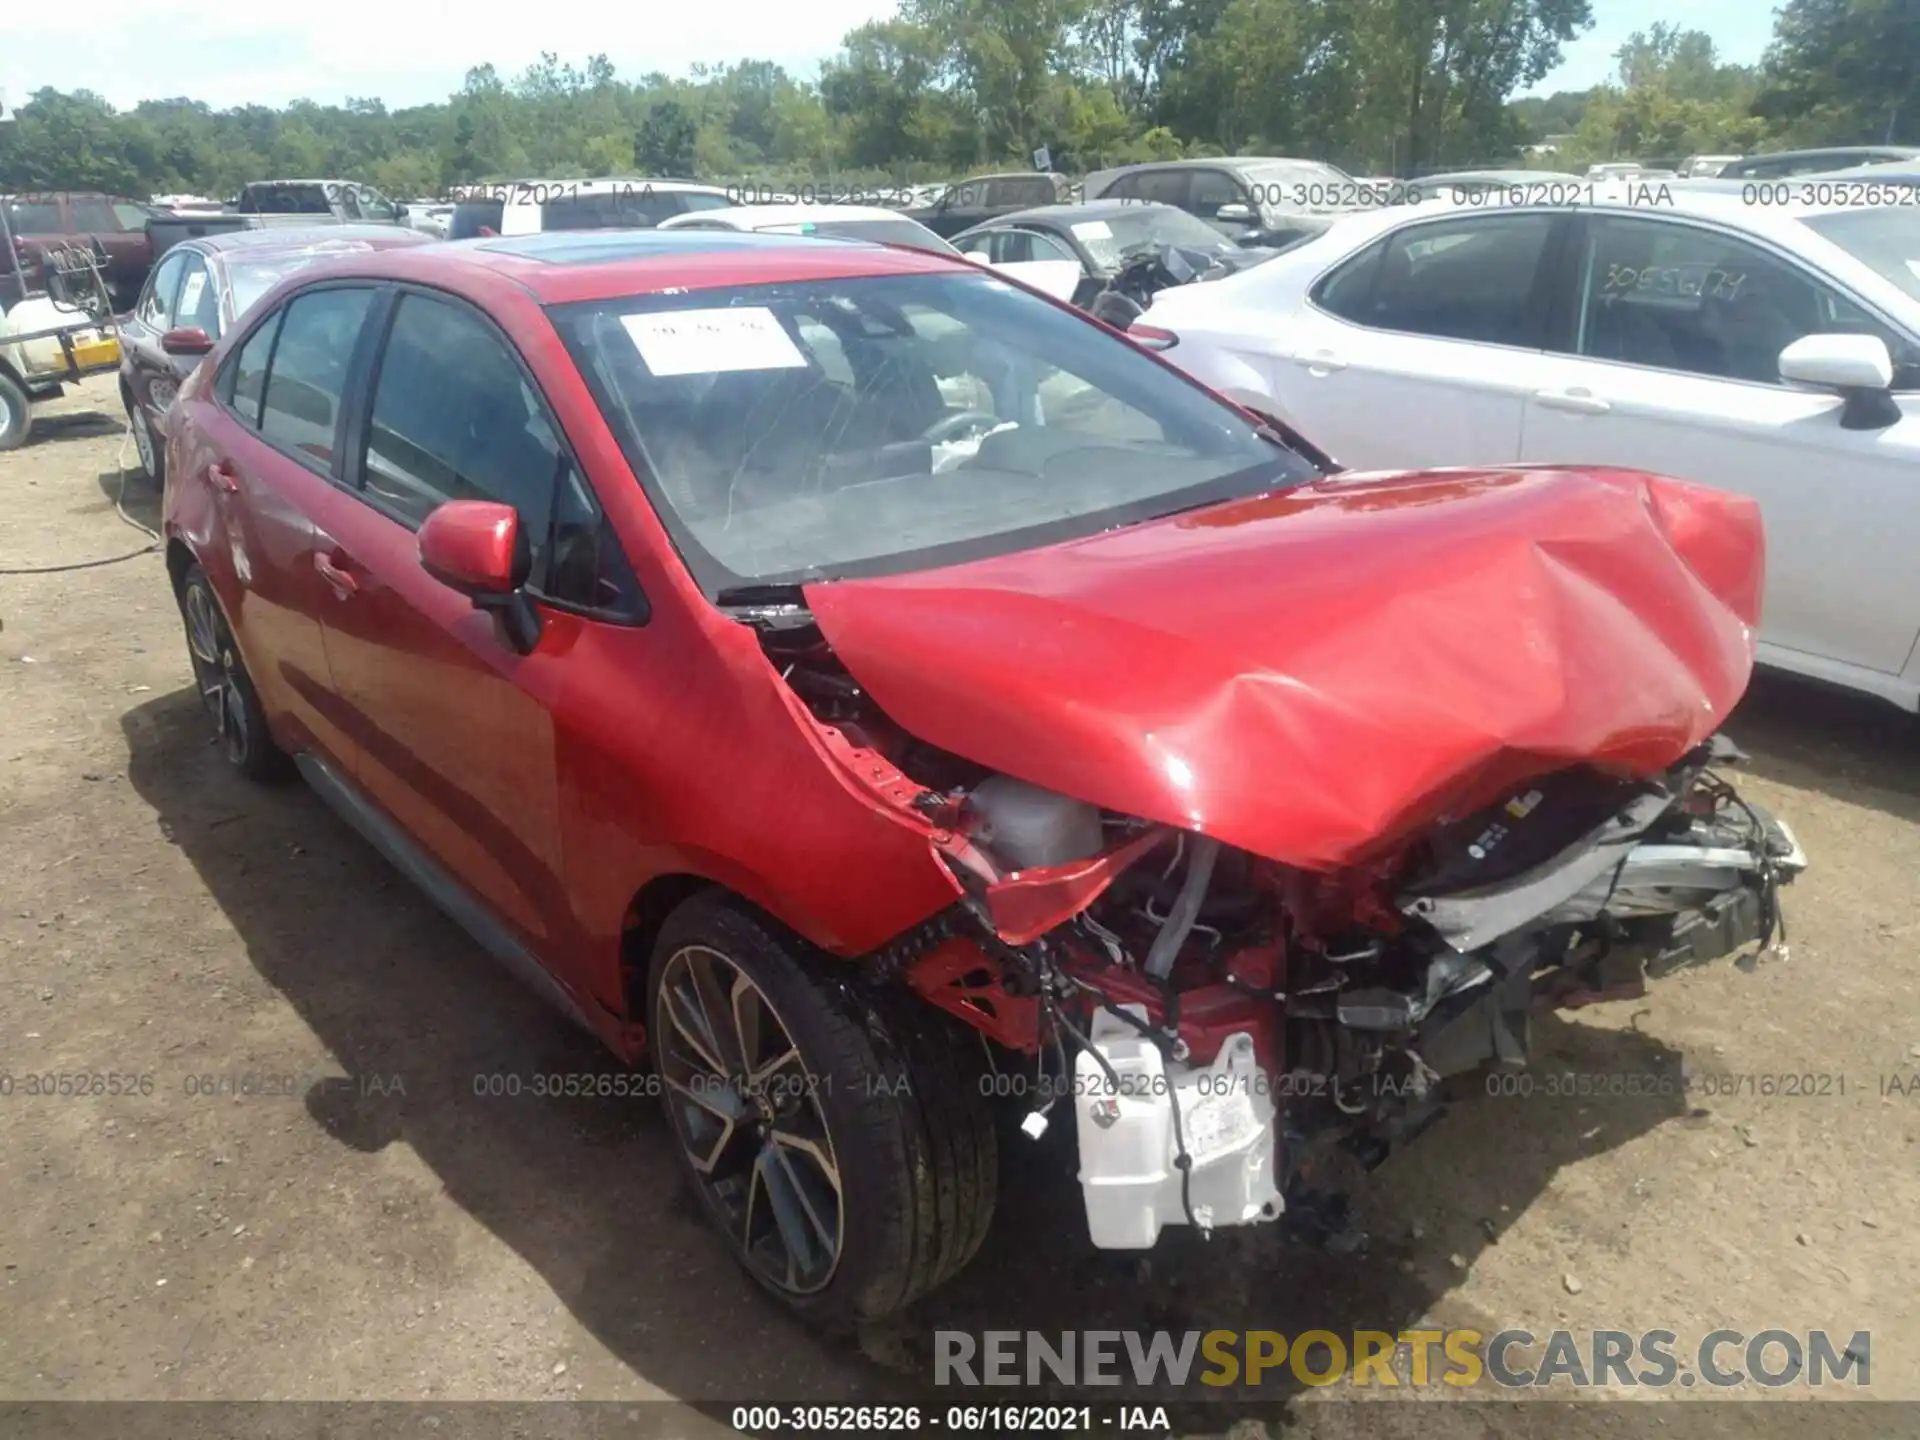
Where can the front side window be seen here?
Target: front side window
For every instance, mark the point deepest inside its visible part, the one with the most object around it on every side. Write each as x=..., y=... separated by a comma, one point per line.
x=156, y=306
x=1462, y=279
x=245, y=378
x=129, y=215
x=875, y=425
x=198, y=304
x=701, y=200
x=454, y=419
x=1681, y=297
x=308, y=373
x=1164, y=187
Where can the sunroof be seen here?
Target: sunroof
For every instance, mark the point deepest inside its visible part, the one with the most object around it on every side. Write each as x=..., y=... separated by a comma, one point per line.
x=593, y=247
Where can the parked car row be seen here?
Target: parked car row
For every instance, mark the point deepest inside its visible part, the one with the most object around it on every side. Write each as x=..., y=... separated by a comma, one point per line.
x=1771, y=351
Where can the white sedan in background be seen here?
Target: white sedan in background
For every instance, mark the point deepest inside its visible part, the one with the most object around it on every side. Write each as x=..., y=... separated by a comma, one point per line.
x=1772, y=350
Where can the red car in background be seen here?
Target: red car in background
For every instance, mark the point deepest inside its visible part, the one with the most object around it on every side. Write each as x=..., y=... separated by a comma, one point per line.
x=116, y=227
x=194, y=295
x=862, y=686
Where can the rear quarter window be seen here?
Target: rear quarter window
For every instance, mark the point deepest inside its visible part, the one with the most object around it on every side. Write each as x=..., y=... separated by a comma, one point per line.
x=268, y=199
x=471, y=218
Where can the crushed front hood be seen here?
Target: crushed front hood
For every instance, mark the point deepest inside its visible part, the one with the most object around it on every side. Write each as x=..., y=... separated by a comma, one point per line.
x=1313, y=675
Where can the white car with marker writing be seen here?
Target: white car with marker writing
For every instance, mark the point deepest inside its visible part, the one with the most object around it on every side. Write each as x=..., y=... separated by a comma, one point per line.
x=1735, y=337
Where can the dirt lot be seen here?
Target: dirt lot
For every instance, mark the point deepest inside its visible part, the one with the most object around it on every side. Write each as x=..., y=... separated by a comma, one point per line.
x=386, y=1234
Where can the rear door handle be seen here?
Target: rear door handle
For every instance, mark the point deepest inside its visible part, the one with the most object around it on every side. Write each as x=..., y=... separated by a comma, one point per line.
x=335, y=575
x=1577, y=401
x=223, y=477
x=1323, y=360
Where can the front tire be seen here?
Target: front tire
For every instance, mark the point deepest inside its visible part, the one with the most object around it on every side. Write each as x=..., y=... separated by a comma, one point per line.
x=225, y=687
x=836, y=1133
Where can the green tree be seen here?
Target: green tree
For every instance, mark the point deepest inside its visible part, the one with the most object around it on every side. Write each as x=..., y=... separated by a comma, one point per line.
x=664, y=143
x=1844, y=71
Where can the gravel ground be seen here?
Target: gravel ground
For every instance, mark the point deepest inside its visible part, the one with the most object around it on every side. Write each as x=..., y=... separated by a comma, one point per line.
x=375, y=1231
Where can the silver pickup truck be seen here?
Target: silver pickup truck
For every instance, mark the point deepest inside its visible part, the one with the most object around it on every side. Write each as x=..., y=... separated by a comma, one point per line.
x=269, y=204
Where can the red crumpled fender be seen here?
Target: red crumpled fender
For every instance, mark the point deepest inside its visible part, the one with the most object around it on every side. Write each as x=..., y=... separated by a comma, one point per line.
x=1314, y=674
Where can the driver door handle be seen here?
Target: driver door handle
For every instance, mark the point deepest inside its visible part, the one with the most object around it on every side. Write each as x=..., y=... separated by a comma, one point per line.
x=1322, y=362
x=1577, y=400
x=223, y=477
x=331, y=571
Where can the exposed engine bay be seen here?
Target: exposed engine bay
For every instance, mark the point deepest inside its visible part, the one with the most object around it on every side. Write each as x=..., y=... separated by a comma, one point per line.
x=1216, y=1019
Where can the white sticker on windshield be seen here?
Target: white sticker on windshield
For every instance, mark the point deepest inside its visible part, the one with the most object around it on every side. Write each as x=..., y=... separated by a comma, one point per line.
x=1092, y=230
x=713, y=342
x=189, y=301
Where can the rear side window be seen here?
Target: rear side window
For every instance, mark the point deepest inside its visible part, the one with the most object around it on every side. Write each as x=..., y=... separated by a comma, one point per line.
x=1467, y=279
x=156, y=306
x=1021, y=190
x=309, y=370
x=472, y=218
x=454, y=419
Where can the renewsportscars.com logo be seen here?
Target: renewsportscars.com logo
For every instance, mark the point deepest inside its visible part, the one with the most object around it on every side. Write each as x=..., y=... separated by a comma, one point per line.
x=1509, y=1359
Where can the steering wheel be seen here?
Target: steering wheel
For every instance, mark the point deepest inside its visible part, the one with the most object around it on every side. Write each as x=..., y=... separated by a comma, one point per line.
x=951, y=427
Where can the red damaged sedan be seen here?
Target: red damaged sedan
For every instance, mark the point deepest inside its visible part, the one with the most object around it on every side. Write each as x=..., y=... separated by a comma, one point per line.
x=862, y=688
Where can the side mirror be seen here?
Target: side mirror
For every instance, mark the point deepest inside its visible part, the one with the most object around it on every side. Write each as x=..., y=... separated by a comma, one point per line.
x=478, y=548
x=187, y=340
x=1236, y=214
x=399, y=213
x=1859, y=367
x=475, y=547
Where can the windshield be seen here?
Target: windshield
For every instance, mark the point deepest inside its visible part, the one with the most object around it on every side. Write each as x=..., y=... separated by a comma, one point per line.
x=883, y=232
x=1113, y=236
x=1886, y=239
x=824, y=429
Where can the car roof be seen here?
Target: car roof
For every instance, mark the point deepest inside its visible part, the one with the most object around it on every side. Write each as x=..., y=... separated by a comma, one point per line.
x=561, y=266
x=751, y=217
x=1892, y=152
x=236, y=243
x=1054, y=216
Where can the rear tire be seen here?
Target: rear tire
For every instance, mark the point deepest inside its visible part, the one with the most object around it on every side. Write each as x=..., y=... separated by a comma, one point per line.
x=224, y=685
x=16, y=413
x=875, y=1130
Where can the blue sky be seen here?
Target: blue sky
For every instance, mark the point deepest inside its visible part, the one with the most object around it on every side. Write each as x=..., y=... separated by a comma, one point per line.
x=406, y=52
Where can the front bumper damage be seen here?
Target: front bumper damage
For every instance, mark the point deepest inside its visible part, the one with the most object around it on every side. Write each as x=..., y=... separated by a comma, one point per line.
x=1648, y=892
